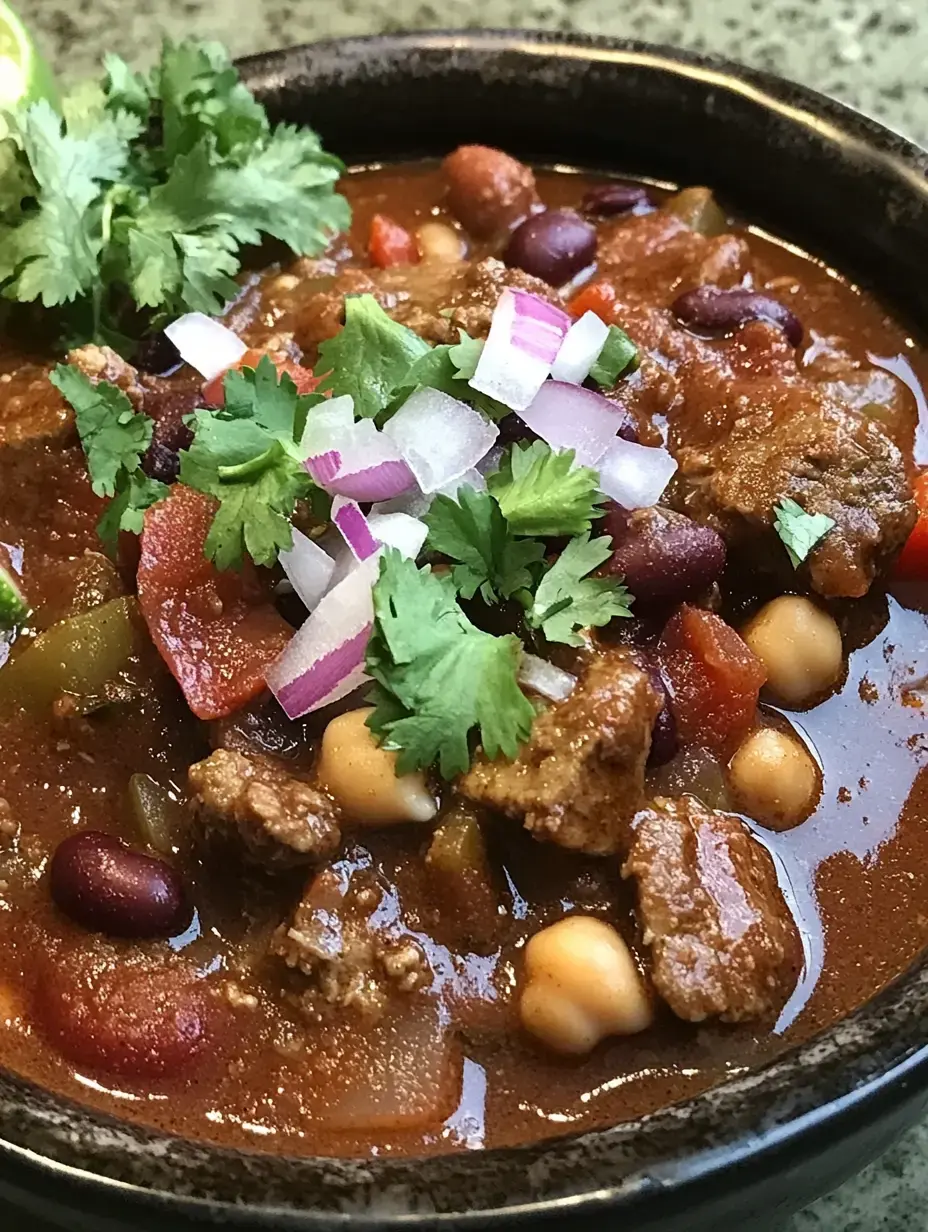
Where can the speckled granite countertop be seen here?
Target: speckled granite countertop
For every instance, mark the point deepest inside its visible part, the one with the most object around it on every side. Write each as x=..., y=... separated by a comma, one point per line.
x=870, y=54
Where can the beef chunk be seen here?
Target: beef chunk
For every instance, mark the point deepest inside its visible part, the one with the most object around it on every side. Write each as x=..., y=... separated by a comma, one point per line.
x=721, y=937
x=580, y=779
x=351, y=961
x=435, y=299
x=32, y=411
x=754, y=429
x=281, y=820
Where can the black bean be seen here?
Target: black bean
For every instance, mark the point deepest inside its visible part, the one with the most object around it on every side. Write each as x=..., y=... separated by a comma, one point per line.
x=664, y=556
x=107, y=887
x=718, y=311
x=664, y=741
x=156, y=354
x=610, y=199
x=554, y=246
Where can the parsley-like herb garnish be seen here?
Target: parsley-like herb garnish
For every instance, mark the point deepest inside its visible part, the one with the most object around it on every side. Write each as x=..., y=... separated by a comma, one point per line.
x=473, y=533
x=154, y=184
x=246, y=456
x=542, y=493
x=800, y=531
x=439, y=678
x=115, y=437
x=567, y=600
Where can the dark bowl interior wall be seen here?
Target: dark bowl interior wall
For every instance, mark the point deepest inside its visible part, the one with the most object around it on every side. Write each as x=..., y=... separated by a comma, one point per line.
x=810, y=179
x=760, y=1146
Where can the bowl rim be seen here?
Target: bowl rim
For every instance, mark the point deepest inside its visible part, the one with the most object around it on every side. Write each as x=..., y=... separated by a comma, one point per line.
x=852, y=1065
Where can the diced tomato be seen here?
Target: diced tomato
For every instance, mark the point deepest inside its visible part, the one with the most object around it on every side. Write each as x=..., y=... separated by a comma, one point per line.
x=912, y=564
x=390, y=244
x=217, y=632
x=303, y=379
x=598, y=297
x=714, y=679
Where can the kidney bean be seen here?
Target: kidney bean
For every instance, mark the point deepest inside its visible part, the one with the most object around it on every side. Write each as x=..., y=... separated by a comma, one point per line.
x=664, y=556
x=488, y=191
x=554, y=246
x=138, y=1022
x=719, y=311
x=610, y=199
x=664, y=740
x=107, y=887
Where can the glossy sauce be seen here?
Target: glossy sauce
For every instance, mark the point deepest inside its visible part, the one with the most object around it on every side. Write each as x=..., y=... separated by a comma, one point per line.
x=856, y=873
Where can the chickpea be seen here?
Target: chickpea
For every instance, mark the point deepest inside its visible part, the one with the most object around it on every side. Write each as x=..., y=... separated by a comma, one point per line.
x=581, y=985
x=440, y=242
x=774, y=779
x=362, y=776
x=800, y=645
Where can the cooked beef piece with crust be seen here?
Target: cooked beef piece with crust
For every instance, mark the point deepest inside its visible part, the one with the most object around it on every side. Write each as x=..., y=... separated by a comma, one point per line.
x=722, y=941
x=281, y=820
x=580, y=778
x=350, y=961
x=434, y=299
x=32, y=411
x=748, y=425
x=752, y=429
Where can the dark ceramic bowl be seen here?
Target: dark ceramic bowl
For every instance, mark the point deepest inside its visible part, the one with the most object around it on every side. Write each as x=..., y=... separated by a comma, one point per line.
x=750, y=1152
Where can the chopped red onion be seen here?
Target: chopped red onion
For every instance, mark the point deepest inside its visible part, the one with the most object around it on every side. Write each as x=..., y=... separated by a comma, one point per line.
x=309, y=569
x=400, y=531
x=205, y=344
x=439, y=438
x=571, y=417
x=352, y=459
x=347, y=516
x=414, y=502
x=635, y=476
x=324, y=661
x=526, y=334
x=580, y=349
x=544, y=678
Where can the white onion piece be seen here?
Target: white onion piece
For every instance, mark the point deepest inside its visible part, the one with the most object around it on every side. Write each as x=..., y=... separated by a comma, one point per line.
x=635, y=476
x=545, y=679
x=324, y=661
x=347, y=516
x=470, y=479
x=571, y=417
x=205, y=344
x=309, y=569
x=526, y=334
x=400, y=531
x=414, y=502
x=327, y=425
x=580, y=349
x=439, y=438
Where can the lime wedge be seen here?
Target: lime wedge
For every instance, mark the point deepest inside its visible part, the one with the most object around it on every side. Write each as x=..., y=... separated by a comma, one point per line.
x=13, y=606
x=24, y=75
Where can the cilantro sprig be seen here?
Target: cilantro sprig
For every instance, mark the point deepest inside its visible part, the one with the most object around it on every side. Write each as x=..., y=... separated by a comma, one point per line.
x=440, y=680
x=541, y=492
x=115, y=437
x=153, y=185
x=567, y=600
x=247, y=456
x=800, y=531
x=472, y=532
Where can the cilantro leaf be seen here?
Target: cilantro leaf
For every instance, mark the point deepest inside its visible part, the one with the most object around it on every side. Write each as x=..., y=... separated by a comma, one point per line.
x=800, y=531
x=113, y=434
x=473, y=532
x=439, y=677
x=567, y=600
x=542, y=493
x=369, y=358
x=619, y=355
x=52, y=250
x=245, y=456
x=449, y=367
x=135, y=493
